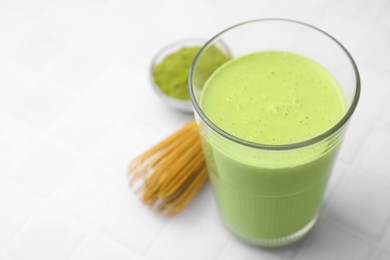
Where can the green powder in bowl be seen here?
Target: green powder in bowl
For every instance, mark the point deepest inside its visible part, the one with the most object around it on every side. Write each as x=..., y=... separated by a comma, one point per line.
x=171, y=67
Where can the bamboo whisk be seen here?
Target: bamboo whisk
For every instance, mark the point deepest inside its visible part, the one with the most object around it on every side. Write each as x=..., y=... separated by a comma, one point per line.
x=170, y=173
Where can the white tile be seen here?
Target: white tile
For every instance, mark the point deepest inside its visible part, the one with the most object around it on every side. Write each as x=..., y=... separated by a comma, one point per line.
x=32, y=7
x=77, y=68
x=366, y=9
x=347, y=27
x=204, y=205
x=373, y=161
x=125, y=140
x=44, y=167
x=83, y=14
x=83, y=125
x=305, y=11
x=151, y=110
x=137, y=7
x=100, y=248
x=12, y=85
x=3, y=256
x=39, y=51
x=384, y=114
x=14, y=27
x=13, y=137
x=336, y=179
x=332, y=242
x=101, y=1
x=384, y=255
x=51, y=234
x=375, y=46
x=374, y=92
x=121, y=32
x=193, y=238
x=131, y=224
x=386, y=239
x=157, y=33
x=238, y=250
x=139, y=73
x=383, y=17
x=187, y=13
x=356, y=134
x=41, y=103
x=16, y=207
x=357, y=198
x=88, y=190
x=115, y=87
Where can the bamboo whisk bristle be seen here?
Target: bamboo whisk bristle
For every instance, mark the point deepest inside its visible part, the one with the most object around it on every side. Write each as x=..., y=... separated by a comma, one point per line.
x=170, y=174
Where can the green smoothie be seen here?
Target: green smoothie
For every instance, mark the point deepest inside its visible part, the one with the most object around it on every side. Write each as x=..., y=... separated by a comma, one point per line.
x=270, y=197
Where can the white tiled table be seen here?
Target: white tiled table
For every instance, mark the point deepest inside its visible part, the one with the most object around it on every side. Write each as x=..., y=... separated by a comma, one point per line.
x=76, y=107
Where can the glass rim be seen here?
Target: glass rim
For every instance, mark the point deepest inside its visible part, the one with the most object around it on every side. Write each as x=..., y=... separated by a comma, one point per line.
x=295, y=145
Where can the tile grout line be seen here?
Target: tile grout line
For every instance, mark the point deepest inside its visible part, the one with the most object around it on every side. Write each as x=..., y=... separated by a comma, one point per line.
x=147, y=252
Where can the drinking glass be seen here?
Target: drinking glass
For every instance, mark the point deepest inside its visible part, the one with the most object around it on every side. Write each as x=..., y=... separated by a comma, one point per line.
x=271, y=195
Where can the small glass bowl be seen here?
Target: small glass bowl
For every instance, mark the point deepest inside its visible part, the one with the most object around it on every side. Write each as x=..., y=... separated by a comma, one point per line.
x=178, y=104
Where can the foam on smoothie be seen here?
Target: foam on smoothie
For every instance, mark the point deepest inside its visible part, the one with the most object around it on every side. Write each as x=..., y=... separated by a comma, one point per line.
x=273, y=97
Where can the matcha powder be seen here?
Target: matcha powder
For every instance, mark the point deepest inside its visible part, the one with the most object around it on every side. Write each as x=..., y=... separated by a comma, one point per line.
x=171, y=75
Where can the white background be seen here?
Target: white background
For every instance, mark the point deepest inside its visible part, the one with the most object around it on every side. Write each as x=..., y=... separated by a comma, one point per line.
x=76, y=106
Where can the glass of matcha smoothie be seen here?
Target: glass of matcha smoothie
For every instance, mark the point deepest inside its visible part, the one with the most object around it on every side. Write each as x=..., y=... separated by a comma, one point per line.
x=272, y=120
